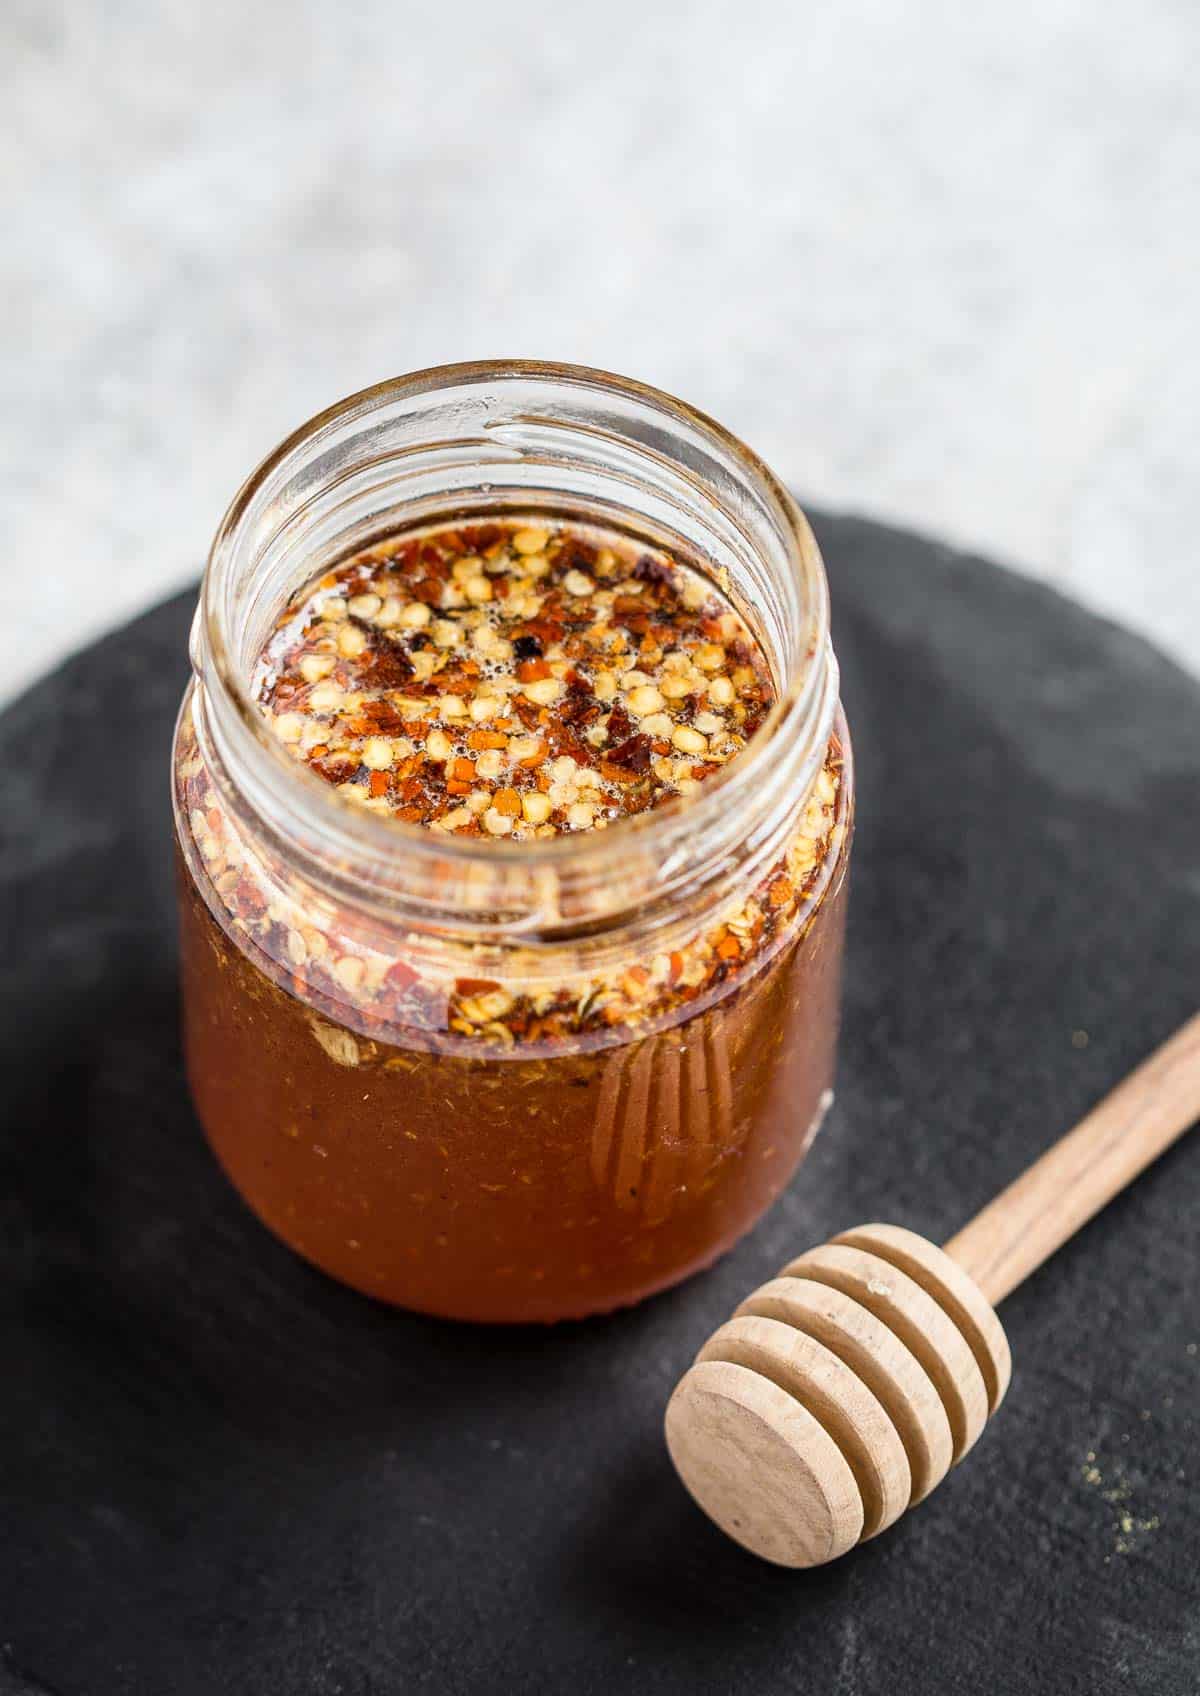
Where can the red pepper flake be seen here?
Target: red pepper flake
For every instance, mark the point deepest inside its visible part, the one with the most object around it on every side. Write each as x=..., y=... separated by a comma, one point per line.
x=386, y=719
x=530, y=671
x=250, y=897
x=634, y=754
x=629, y=612
x=619, y=724
x=729, y=948
x=547, y=630
x=780, y=892
x=563, y=740
x=385, y=666
x=529, y=715
x=378, y=784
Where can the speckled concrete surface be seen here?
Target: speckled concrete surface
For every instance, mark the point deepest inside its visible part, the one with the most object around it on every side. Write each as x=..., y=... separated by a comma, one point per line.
x=938, y=262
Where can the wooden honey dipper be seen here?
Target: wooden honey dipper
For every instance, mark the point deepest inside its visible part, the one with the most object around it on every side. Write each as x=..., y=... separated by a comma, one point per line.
x=842, y=1392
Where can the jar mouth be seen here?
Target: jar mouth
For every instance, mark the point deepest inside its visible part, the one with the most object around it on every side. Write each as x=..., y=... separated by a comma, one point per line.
x=502, y=407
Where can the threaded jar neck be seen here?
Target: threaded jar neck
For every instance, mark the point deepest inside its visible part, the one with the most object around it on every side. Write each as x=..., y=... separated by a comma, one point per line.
x=515, y=436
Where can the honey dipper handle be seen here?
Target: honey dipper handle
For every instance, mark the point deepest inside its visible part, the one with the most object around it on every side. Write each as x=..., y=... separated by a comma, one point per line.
x=1059, y=1193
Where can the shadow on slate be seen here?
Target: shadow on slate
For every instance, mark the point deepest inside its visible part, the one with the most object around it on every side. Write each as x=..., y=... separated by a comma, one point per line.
x=222, y=1473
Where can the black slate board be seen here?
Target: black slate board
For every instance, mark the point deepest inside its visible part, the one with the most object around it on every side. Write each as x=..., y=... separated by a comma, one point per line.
x=221, y=1473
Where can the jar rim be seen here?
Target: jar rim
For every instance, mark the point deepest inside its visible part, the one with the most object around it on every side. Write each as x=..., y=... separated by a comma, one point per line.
x=803, y=708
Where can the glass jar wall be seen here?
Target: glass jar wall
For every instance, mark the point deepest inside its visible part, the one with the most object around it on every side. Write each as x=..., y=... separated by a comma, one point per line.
x=493, y=1079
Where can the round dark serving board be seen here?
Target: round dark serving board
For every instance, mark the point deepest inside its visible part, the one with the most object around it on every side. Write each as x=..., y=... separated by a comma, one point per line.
x=220, y=1472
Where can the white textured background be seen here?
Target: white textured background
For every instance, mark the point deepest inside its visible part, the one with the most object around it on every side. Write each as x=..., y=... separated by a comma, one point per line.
x=938, y=262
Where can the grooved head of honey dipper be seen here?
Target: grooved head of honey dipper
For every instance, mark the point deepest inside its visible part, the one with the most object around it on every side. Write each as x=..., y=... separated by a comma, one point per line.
x=761, y=1466
x=838, y=1396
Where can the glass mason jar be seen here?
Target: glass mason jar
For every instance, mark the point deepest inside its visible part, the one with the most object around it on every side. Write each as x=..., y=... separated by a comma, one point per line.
x=344, y=974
